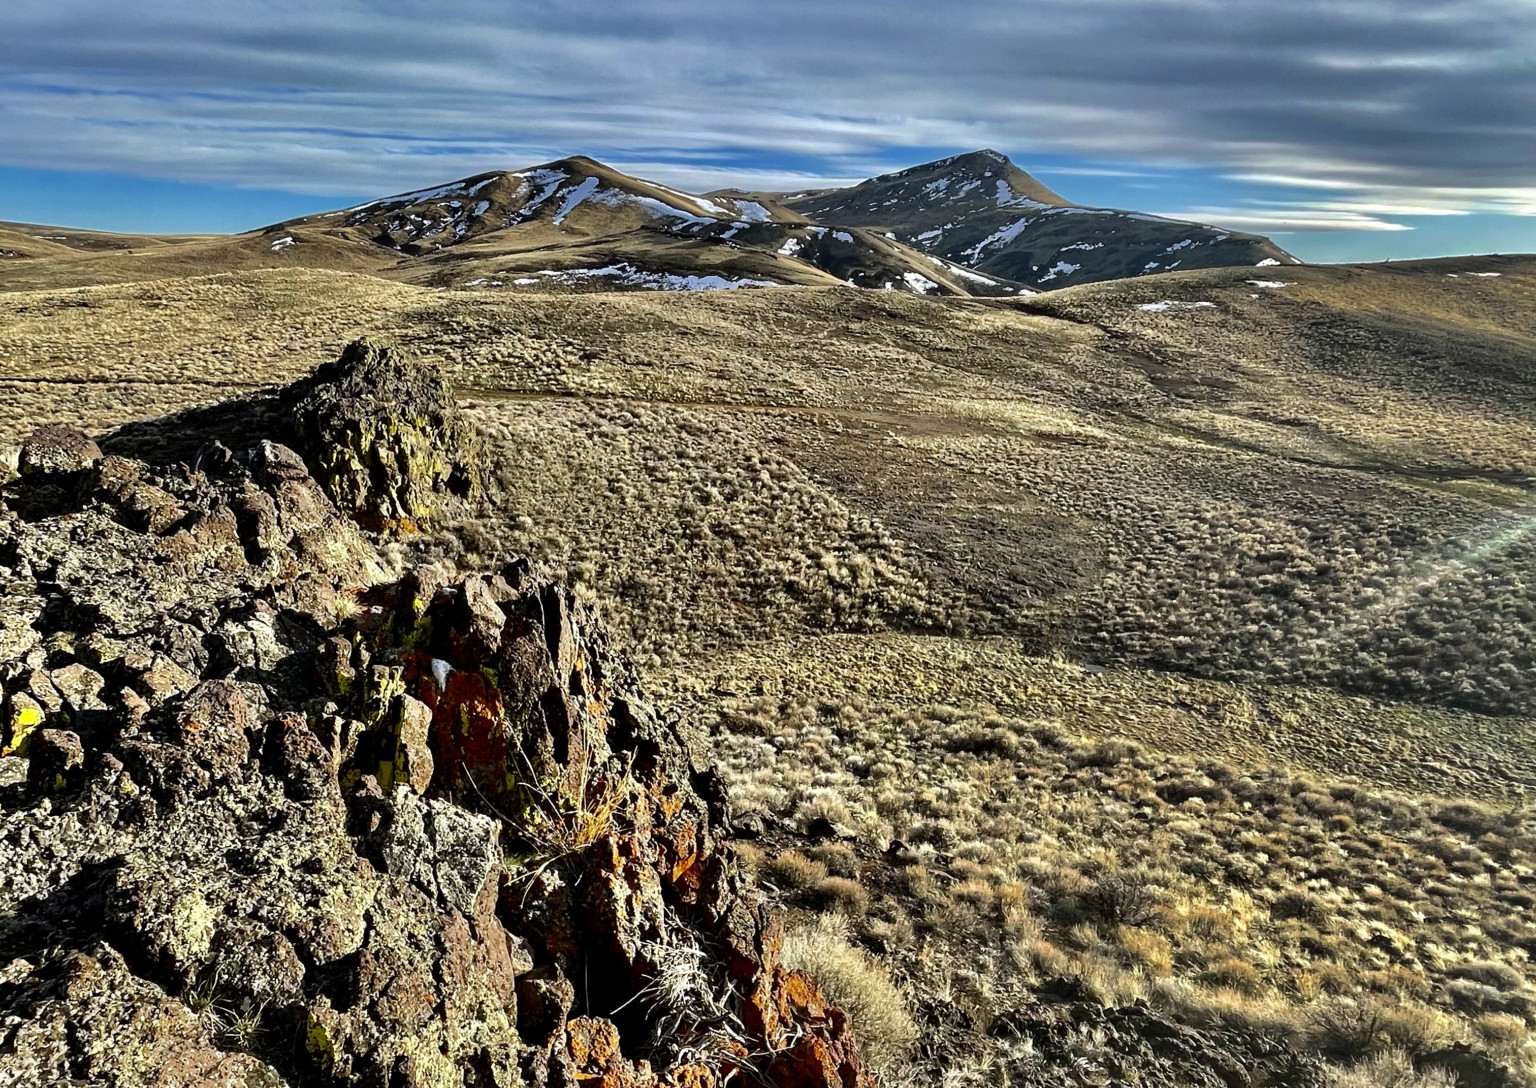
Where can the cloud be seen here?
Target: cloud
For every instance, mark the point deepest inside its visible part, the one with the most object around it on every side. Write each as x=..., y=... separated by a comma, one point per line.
x=1282, y=219
x=1394, y=104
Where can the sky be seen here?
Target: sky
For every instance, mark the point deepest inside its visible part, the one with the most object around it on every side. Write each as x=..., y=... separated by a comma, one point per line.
x=1345, y=129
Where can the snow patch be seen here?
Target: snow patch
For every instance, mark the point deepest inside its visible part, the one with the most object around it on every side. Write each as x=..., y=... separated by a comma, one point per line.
x=919, y=282
x=791, y=247
x=419, y=196
x=998, y=238
x=283, y=243
x=627, y=275
x=961, y=271
x=656, y=209
x=574, y=198
x=704, y=202
x=1173, y=304
x=1267, y=262
x=550, y=180
x=751, y=212
x=1060, y=268
x=1271, y=284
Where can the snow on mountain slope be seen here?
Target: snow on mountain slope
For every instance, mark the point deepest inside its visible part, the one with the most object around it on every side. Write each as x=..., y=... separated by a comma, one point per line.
x=572, y=221
x=980, y=210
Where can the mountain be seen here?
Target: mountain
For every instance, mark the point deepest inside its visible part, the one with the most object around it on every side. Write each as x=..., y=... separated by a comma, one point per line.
x=576, y=223
x=971, y=225
x=981, y=211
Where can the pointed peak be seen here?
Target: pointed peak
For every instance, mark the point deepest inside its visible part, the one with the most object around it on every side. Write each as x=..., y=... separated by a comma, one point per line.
x=985, y=155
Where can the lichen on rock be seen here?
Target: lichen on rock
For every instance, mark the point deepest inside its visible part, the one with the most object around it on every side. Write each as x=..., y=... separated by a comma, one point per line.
x=445, y=842
x=385, y=437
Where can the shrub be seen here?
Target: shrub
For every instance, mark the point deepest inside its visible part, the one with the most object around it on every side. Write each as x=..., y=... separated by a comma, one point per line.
x=1122, y=899
x=849, y=977
x=1353, y=1030
x=1390, y=1069
x=794, y=870
x=1499, y=976
x=838, y=857
x=1302, y=905
x=1231, y=973
x=840, y=894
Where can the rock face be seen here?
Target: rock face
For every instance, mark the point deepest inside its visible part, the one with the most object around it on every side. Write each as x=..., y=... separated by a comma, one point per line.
x=442, y=843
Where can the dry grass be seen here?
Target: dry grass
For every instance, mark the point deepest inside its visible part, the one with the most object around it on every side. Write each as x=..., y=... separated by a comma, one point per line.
x=850, y=977
x=872, y=541
x=998, y=853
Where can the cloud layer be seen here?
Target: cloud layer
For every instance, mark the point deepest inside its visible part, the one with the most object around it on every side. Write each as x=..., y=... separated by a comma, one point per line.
x=1322, y=114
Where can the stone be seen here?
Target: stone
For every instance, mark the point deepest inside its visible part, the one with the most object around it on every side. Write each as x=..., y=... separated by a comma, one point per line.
x=466, y=850
x=55, y=760
x=23, y=717
x=544, y=1000
x=80, y=688
x=304, y=763
x=92, y=1021
x=163, y=680
x=386, y=437
x=55, y=450
x=214, y=724
x=255, y=965
x=447, y=852
x=413, y=755
x=272, y=462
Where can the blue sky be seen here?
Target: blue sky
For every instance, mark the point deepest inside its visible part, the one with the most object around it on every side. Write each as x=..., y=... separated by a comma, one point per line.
x=1347, y=129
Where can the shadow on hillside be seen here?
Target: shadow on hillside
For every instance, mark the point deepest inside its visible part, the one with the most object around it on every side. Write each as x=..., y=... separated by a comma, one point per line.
x=176, y=438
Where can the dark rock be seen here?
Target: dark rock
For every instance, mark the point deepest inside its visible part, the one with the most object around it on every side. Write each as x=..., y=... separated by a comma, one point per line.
x=54, y=450
x=214, y=724
x=385, y=437
x=56, y=759
x=302, y=761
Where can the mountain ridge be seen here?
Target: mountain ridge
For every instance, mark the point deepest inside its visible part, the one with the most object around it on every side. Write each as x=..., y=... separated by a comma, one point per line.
x=982, y=211
x=973, y=224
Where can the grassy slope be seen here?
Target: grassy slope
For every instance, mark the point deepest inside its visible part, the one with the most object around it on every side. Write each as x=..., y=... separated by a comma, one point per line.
x=871, y=540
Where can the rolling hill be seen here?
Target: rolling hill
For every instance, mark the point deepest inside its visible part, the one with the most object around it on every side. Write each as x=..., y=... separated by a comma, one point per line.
x=972, y=225
x=982, y=211
x=1153, y=656
x=573, y=224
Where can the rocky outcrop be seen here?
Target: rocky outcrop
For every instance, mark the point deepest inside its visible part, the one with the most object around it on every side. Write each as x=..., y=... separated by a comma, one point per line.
x=385, y=437
x=271, y=816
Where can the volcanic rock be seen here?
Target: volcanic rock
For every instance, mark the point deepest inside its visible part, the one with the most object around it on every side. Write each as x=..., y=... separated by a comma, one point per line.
x=443, y=843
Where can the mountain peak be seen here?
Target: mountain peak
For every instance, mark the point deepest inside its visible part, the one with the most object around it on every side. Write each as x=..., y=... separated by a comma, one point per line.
x=960, y=175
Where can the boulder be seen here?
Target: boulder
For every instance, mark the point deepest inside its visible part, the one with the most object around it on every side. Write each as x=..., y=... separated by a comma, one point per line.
x=55, y=450
x=385, y=437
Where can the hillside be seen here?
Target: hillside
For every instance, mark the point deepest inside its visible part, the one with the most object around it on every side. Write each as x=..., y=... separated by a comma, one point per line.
x=972, y=225
x=1151, y=655
x=570, y=225
x=982, y=211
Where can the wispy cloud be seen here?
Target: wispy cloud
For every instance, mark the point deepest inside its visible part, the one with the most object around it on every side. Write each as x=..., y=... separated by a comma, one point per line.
x=1281, y=220
x=1392, y=104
